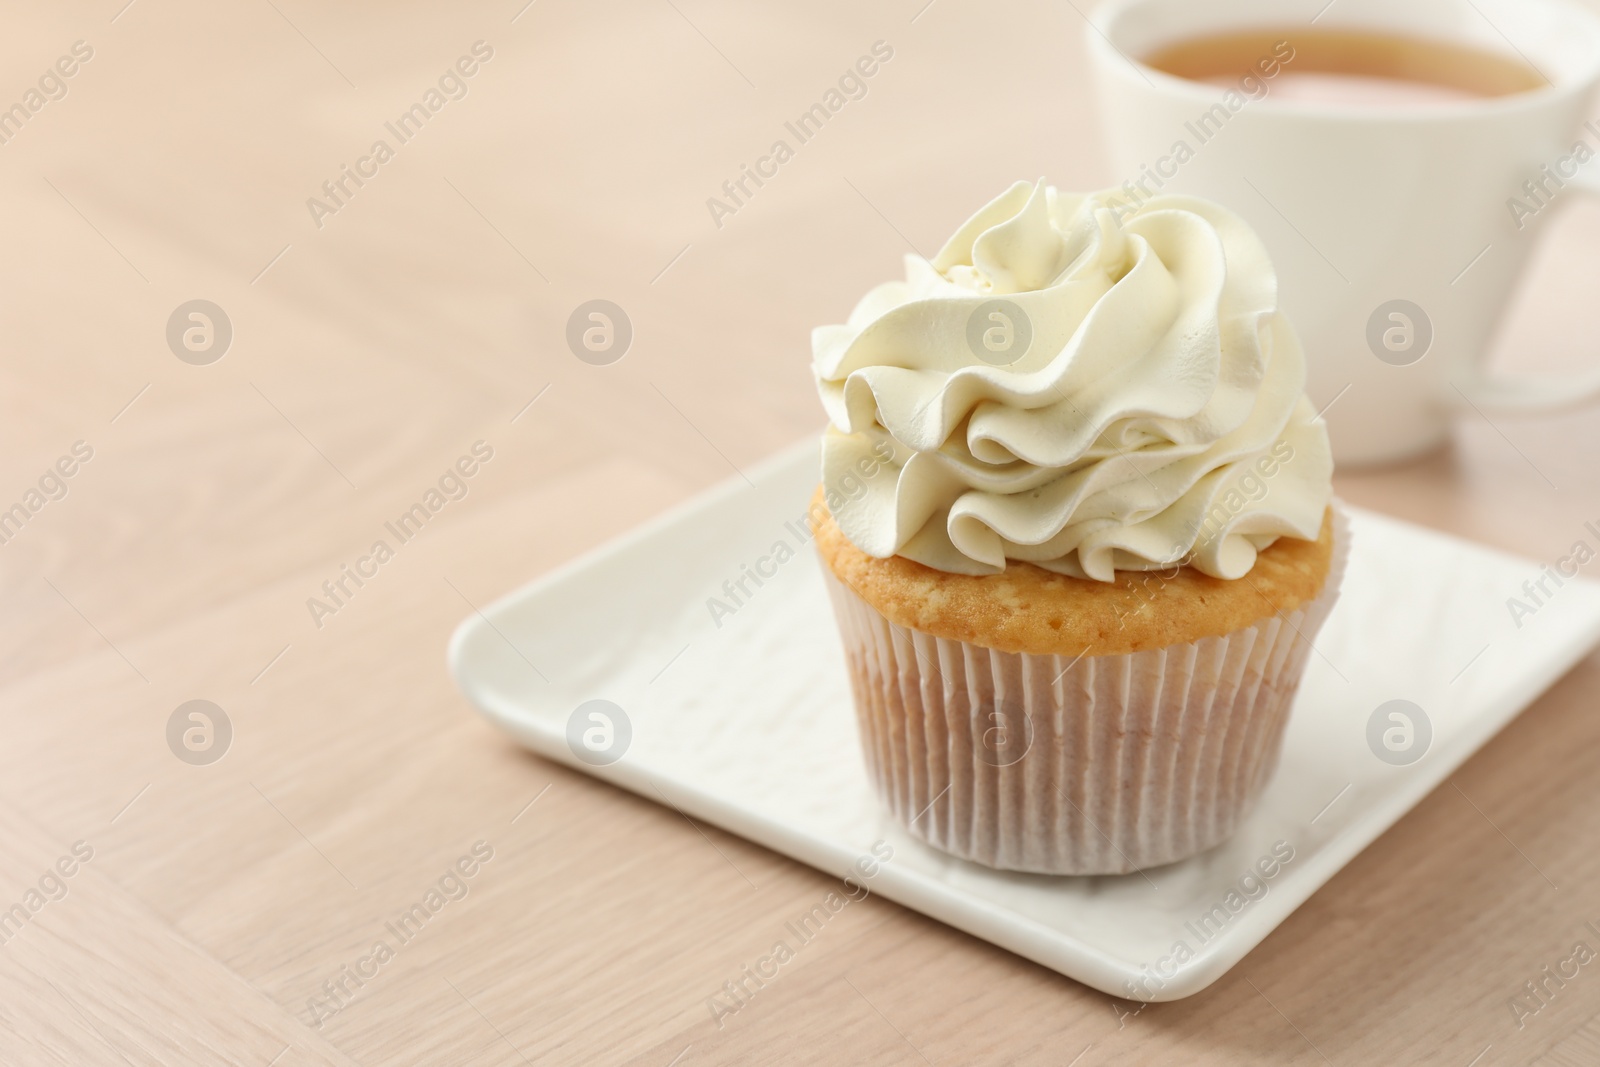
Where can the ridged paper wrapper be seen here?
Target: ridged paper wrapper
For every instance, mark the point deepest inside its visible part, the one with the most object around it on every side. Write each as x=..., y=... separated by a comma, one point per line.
x=1063, y=765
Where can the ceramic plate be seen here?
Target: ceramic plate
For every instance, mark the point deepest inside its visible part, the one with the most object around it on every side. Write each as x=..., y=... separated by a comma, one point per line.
x=727, y=698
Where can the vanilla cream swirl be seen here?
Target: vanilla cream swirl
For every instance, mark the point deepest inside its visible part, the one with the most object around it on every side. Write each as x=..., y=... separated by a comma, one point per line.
x=1078, y=383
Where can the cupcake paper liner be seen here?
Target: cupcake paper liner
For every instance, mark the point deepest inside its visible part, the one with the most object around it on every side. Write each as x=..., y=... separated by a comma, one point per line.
x=1094, y=765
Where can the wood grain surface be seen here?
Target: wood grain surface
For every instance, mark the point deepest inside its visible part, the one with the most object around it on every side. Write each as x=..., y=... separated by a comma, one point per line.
x=374, y=345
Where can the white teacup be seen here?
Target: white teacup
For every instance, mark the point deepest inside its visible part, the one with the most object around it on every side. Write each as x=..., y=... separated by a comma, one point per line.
x=1393, y=229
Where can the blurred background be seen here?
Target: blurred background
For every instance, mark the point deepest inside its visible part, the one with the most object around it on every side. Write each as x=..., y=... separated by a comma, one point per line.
x=372, y=344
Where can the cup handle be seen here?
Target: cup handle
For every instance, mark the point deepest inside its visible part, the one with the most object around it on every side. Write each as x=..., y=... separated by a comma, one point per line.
x=1536, y=393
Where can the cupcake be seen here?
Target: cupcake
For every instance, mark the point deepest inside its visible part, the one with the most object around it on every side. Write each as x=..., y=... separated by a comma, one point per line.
x=1077, y=525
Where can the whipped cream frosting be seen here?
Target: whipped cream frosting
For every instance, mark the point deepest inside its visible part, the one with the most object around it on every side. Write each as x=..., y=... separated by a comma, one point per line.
x=1077, y=382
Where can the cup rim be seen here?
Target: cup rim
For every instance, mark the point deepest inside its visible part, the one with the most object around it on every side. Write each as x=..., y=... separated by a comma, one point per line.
x=1114, y=59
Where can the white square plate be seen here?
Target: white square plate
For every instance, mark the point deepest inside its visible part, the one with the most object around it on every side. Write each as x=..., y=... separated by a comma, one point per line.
x=745, y=721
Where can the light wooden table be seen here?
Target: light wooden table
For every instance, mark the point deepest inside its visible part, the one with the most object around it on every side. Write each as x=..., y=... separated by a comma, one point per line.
x=423, y=316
